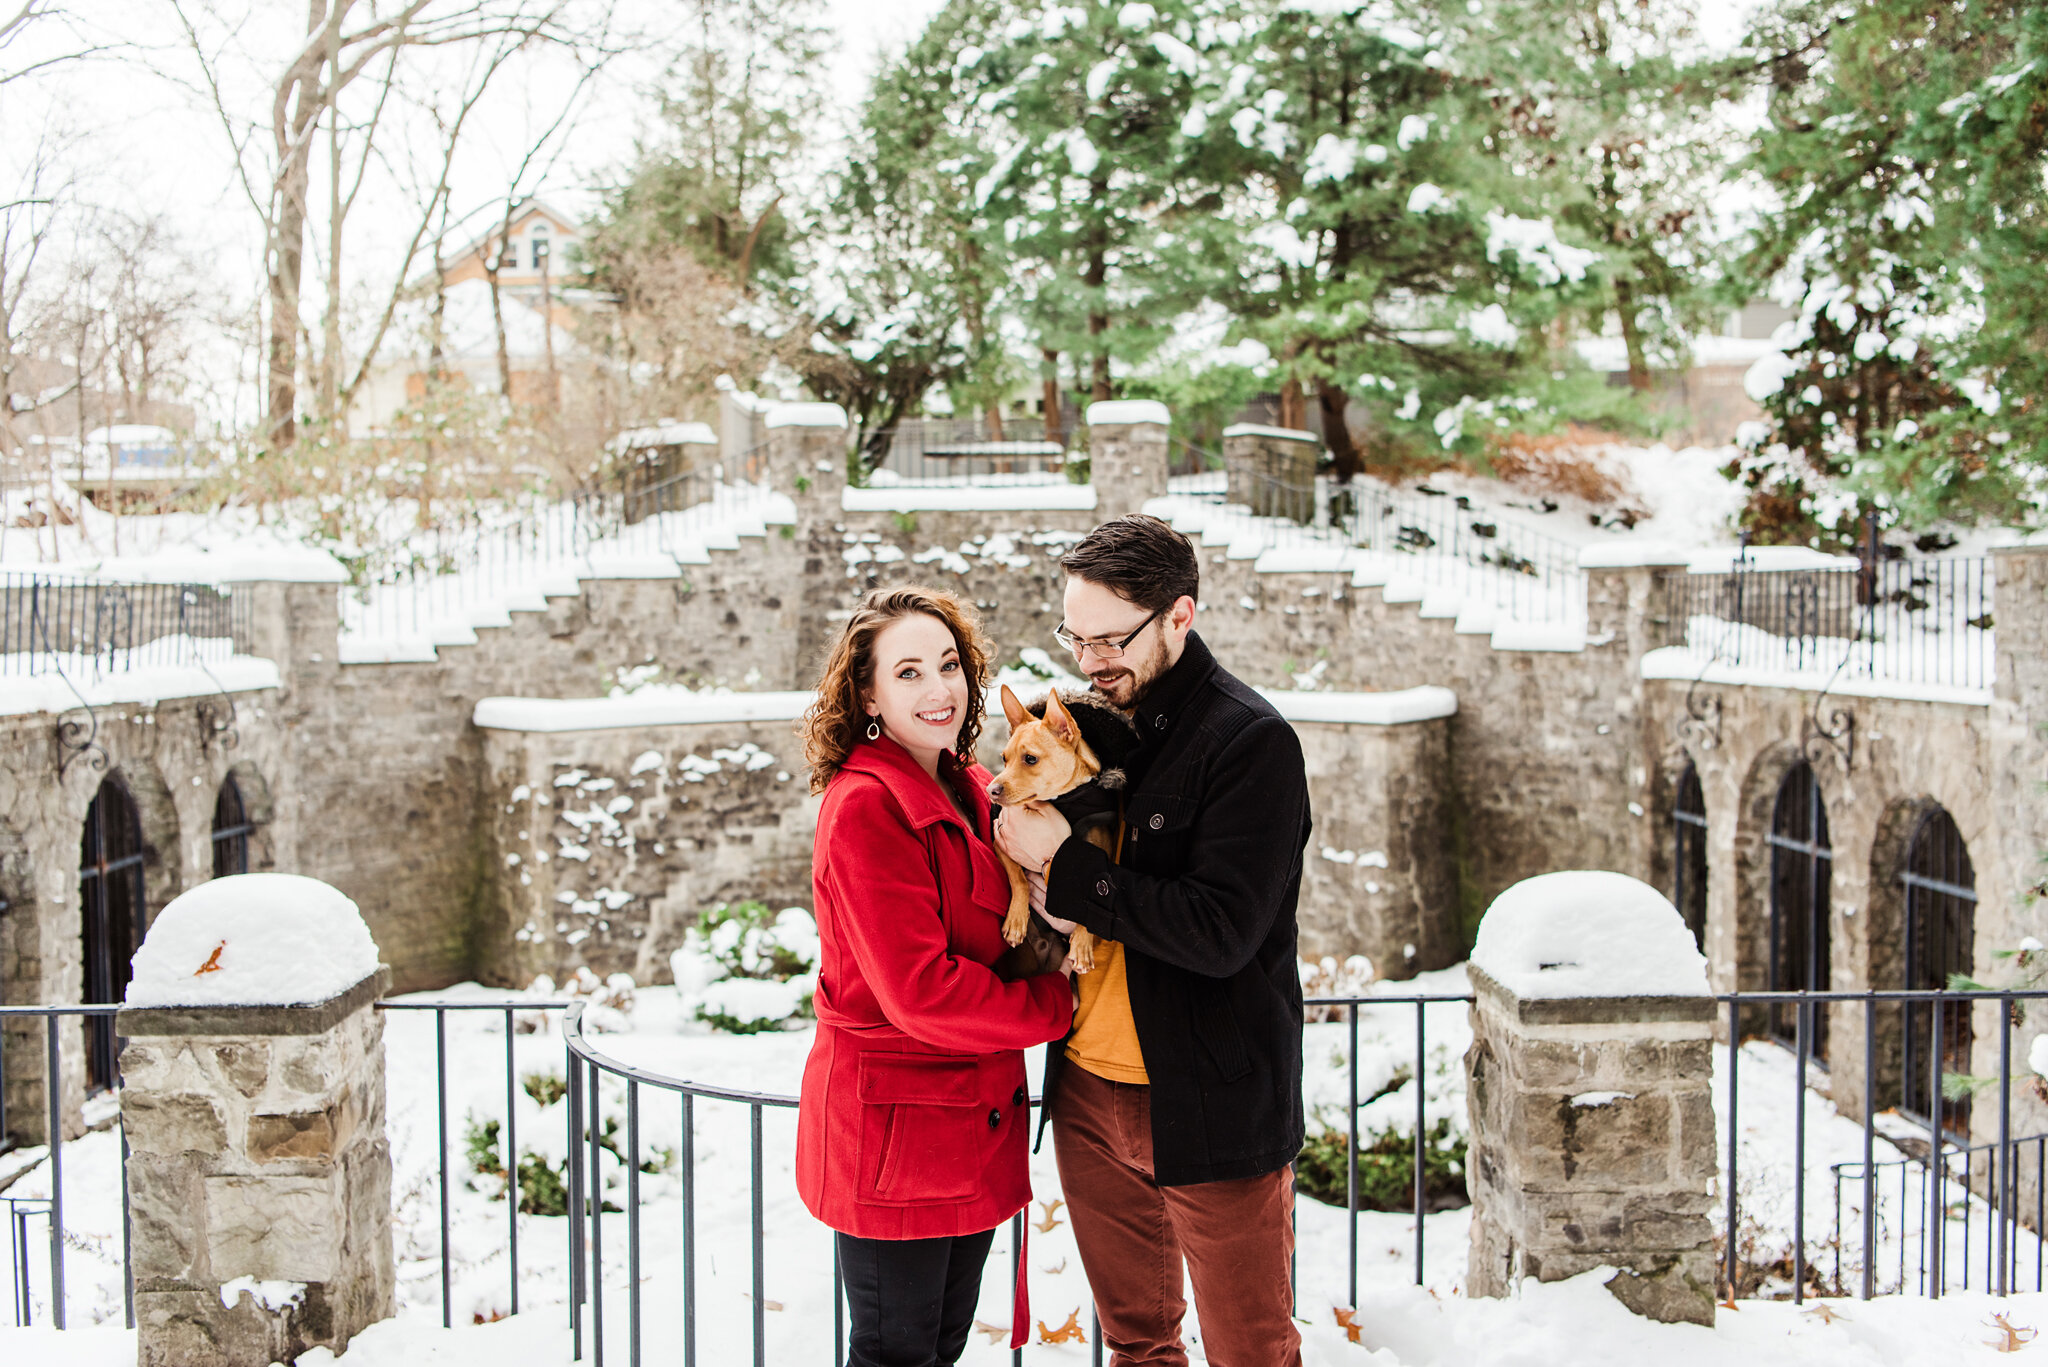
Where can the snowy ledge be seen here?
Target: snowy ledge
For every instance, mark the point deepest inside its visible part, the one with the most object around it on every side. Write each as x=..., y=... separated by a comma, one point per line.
x=1679, y=664
x=649, y=707
x=1118, y=411
x=281, y=564
x=680, y=707
x=1427, y=703
x=806, y=415
x=152, y=684
x=1633, y=555
x=1252, y=429
x=911, y=498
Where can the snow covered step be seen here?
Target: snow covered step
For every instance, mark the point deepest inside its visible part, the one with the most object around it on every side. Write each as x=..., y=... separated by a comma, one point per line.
x=1308, y=560
x=1476, y=619
x=1403, y=589
x=1441, y=603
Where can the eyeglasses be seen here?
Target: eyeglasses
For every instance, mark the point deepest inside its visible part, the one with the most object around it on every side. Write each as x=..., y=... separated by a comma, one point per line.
x=1104, y=650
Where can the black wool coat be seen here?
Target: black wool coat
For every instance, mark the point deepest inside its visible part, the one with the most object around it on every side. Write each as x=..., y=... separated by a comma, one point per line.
x=1216, y=818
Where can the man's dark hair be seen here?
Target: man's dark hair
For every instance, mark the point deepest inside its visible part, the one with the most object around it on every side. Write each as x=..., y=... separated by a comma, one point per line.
x=1138, y=558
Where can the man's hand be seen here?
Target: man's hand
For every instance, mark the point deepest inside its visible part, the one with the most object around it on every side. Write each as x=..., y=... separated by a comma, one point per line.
x=1037, y=882
x=1032, y=834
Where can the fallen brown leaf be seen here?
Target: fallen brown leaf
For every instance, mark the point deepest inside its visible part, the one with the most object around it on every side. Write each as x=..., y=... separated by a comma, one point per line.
x=1051, y=1221
x=2012, y=1337
x=1070, y=1332
x=995, y=1335
x=1054, y=1269
x=1827, y=1314
x=1347, y=1320
x=212, y=964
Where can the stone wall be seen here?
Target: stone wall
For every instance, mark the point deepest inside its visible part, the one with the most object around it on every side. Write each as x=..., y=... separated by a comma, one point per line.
x=171, y=757
x=257, y=1150
x=605, y=844
x=1593, y=1145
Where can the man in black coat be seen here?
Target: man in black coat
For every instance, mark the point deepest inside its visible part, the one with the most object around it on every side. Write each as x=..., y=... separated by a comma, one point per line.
x=1175, y=1103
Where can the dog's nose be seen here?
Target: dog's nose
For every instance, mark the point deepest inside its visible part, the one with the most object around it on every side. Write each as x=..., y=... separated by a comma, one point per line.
x=995, y=791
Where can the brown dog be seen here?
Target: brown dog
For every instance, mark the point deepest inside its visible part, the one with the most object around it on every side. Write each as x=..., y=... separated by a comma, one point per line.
x=1045, y=758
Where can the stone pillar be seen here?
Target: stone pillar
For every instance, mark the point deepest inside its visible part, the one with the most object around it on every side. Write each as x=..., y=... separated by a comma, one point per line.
x=807, y=461
x=1127, y=458
x=1592, y=1116
x=1272, y=470
x=257, y=1155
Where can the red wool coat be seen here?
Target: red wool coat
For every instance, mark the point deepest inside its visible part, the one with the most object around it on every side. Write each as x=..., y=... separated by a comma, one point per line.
x=913, y=1118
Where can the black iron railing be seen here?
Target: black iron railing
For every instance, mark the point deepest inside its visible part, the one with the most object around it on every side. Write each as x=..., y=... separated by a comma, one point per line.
x=434, y=587
x=1425, y=538
x=1968, y=1210
x=963, y=451
x=1989, y=1183
x=1913, y=621
x=51, y=1207
x=51, y=623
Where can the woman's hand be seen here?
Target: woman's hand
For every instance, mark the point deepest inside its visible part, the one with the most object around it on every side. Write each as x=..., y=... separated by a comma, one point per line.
x=1032, y=834
x=1037, y=882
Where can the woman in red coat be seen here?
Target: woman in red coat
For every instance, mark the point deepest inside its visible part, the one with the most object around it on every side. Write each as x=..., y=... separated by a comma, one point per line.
x=911, y=1133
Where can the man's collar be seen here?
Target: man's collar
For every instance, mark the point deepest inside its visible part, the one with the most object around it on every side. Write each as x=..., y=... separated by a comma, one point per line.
x=923, y=801
x=1163, y=703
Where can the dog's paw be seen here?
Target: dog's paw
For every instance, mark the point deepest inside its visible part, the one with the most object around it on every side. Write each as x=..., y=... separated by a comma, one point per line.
x=1014, y=928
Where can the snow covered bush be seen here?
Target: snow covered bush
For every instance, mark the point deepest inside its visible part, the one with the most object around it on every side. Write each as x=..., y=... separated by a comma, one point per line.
x=1328, y=978
x=744, y=969
x=543, y=1171
x=607, y=1002
x=1386, y=1169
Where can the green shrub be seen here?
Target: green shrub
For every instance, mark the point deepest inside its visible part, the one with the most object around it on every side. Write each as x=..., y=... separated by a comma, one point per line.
x=1386, y=1169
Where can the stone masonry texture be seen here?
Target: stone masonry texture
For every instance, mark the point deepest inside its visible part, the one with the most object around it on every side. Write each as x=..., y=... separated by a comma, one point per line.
x=260, y=1156
x=1593, y=1145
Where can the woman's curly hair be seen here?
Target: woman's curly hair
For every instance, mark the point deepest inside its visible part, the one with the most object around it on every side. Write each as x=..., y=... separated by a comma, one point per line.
x=835, y=723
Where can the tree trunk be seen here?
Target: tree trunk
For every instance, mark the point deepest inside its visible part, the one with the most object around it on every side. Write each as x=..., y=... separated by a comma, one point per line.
x=1631, y=335
x=1336, y=432
x=1293, y=405
x=297, y=105
x=330, y=331
x=553, y=397
x=1049, y=395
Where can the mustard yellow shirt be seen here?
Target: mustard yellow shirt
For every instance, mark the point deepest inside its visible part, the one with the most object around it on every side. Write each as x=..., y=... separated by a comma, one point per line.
x=1105, y=1038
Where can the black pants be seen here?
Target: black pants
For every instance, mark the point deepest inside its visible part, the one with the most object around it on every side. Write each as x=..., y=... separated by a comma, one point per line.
x=912, y=1300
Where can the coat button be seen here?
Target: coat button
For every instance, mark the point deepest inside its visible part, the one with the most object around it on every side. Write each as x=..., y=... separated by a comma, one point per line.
x=1159, y=722
x=995, y=1119
x=1158, y=820
x=1018, y=1098
x=1102, y=887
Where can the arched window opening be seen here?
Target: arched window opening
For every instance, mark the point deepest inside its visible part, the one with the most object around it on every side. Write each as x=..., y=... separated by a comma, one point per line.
x=1802, y=867
x=112, y=902
x=1941, y=927
x=1689, y=854
x=231, y=830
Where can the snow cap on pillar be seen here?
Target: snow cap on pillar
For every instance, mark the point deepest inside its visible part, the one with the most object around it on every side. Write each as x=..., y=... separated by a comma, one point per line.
x=253, y=939
x=1588, y=933
x=806, y=415
x=1115, y=411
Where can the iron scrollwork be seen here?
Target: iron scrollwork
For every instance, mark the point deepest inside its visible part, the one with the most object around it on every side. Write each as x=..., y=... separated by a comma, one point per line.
x=1700, y=728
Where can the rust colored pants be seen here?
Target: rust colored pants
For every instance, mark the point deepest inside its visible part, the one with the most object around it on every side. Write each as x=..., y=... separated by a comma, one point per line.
x=1236, y=1238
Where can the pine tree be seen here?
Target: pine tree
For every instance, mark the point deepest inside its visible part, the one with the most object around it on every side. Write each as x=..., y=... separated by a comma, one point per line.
x=1391, y=257
x=1906, y=150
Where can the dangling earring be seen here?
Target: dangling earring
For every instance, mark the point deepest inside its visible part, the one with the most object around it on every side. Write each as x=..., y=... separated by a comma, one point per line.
x=874, y=730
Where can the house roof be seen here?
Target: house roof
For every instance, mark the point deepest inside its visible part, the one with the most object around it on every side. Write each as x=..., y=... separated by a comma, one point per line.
x=526, y=209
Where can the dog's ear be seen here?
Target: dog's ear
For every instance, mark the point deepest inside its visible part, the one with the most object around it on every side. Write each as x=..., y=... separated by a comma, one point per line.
x=1013, y=710
x=1060, y=720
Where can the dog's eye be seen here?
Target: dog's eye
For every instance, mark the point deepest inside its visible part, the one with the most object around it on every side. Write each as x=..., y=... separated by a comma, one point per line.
x=1031, y=759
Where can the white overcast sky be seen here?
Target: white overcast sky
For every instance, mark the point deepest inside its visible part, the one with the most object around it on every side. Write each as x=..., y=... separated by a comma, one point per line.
x=147, y=140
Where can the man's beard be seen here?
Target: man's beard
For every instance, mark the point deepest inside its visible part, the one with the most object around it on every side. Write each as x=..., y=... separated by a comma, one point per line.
x=1127, y=684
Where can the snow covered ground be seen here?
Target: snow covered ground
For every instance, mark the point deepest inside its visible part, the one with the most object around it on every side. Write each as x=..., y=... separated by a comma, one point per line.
x=1403, y=1325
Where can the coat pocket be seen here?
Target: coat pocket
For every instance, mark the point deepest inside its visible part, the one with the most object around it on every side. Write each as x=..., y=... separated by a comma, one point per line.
x=1216, y=1026
x=922, y=1130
